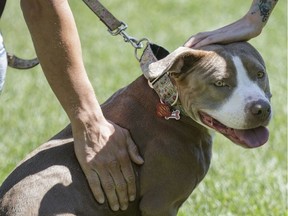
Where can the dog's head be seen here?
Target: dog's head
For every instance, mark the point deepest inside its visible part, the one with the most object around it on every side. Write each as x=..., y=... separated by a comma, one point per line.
x=223, y=87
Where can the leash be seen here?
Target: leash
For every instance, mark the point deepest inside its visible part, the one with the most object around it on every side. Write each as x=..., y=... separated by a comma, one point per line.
x=152, y=52
x=19, y=63
x=162, y=84
x=115, y=27
x=14, y=61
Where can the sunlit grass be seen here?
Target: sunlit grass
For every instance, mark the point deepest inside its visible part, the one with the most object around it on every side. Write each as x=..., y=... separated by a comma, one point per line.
x=240, y=181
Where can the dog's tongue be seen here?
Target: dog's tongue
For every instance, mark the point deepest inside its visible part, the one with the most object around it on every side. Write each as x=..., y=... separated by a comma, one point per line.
x=253, y=138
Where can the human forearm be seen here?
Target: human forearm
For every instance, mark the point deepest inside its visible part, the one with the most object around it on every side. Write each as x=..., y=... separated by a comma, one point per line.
x=58, y=48
x=97, y=142
x=258, y=14
x=260, y=10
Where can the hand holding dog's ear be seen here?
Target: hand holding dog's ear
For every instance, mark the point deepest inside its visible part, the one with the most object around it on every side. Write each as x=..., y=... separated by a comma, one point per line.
x=104, y=151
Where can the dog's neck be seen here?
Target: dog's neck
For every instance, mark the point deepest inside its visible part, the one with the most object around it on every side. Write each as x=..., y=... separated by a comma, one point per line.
x=150, y=100
x=169, y=106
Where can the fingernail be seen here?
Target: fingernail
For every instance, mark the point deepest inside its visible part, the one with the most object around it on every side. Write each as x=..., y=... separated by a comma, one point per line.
x=140, y=159
x=115, y=207
x=124, y=207
x=132, y=198
x=101, y=200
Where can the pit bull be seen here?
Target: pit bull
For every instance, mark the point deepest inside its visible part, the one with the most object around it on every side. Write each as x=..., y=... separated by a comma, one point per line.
x=222, y=88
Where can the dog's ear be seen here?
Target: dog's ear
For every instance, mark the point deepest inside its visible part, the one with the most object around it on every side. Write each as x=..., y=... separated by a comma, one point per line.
x=178, y=62
x=186, y=62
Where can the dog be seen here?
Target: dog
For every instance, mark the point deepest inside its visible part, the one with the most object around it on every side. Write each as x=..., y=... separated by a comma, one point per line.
x=222, y=88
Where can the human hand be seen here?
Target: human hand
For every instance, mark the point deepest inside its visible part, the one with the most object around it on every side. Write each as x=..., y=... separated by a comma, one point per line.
x=241, y=30
x=103, y=149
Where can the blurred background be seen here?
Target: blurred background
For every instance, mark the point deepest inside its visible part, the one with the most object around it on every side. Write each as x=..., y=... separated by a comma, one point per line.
x=240, y=181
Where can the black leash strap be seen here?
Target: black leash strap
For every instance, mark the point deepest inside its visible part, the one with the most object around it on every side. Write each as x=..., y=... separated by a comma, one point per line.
x=151, y=53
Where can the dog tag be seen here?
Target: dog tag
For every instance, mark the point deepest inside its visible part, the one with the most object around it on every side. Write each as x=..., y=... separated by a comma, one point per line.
x=163, y=110
x=174, y=115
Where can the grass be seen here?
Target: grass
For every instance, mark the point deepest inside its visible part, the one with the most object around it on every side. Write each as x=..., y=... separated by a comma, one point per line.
x=240, y=181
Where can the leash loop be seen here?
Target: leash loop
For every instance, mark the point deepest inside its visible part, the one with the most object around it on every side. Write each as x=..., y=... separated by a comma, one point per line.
x=140, y=42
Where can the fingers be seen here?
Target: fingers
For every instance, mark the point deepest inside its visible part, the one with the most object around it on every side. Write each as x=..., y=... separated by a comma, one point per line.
x=107, y=161
x=205, y=41
x=128, y=172
x=117, y=185
x=122, y=175
x=199, y=40
x=129, y=176
x=117, y=180
x=97, y=172
x=194, y=39
x=126, y=165
x=109, y=189
x=95, y=186
x=133, y=151
x=120, y=184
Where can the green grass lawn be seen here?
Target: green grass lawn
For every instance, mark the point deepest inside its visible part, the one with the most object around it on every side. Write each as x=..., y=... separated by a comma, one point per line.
x=240, y=181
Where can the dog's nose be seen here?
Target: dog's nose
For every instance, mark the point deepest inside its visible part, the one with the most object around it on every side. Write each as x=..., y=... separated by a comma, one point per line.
x=260, y=109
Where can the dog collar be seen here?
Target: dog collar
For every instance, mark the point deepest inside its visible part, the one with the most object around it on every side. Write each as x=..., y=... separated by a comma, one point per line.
x=169, y=106
x=165, y=89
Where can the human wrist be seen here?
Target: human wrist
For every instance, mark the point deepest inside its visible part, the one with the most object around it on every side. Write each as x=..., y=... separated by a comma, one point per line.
x=85, y=111
x=253, y=23
x=92, y=113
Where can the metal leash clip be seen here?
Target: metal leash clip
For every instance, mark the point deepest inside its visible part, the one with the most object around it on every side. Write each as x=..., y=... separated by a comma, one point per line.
x=118, y=30
x=137, y=44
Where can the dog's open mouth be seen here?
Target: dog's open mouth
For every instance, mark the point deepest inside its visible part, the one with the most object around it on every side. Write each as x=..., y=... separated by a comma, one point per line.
x=249, y=138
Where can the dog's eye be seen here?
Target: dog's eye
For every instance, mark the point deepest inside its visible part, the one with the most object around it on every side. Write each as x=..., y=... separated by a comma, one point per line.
x=220, y=83
x=260, y=74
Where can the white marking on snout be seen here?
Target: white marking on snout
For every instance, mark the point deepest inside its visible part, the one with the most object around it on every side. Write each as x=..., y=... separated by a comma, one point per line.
x=232, y=113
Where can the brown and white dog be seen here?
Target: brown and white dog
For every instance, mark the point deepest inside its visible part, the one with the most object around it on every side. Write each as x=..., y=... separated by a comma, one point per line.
x=220, y=87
